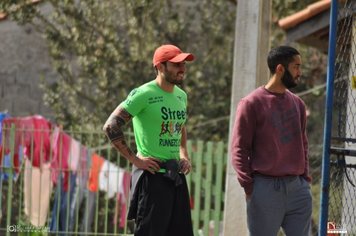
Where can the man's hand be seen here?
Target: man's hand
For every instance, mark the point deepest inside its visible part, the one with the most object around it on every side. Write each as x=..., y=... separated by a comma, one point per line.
x=185, y=165
x=147, y=163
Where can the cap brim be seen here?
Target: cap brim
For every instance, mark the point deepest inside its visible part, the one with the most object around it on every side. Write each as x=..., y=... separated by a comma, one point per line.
x=182, y=57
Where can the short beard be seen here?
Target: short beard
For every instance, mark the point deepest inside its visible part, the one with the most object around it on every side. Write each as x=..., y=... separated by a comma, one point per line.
x=288, y=80
x=169, y=79
x=175, y=82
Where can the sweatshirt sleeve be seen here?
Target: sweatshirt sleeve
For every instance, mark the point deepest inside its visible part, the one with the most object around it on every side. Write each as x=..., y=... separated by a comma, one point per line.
x=305, y=144
x=241, y=144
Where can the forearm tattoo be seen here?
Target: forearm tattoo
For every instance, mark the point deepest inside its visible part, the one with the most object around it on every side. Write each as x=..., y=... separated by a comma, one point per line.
x=113, y=127
x=121, y=145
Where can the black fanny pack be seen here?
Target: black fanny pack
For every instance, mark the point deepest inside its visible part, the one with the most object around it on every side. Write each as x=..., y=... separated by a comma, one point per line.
x=172, y=170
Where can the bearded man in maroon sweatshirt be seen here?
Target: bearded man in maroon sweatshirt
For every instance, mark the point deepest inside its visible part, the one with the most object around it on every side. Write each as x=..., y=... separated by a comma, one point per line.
x=269, y=151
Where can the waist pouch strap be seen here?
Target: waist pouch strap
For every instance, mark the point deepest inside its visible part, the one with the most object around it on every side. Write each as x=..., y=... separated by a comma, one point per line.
x=172, y=171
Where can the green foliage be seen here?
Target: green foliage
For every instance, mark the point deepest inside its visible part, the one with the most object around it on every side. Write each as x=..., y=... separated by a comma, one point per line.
x=103, y=49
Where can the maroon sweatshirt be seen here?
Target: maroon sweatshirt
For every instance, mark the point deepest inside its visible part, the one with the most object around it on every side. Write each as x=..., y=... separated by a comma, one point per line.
x=269, y=137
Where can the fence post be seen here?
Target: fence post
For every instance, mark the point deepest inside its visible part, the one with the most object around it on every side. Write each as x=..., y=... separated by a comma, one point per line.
x=324, y=197
x=10, y=172
x=207, y=187
x=219, y=158
x=197, y=186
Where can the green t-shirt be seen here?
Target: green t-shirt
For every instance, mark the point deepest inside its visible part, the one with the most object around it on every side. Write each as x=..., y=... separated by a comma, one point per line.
x=158, y=119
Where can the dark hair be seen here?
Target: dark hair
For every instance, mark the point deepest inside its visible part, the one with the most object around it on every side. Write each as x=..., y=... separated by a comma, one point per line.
x=163, y=63
x=280, y=55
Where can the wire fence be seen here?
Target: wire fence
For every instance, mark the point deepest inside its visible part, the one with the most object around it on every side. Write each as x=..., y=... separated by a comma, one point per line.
x=341, y=192
x=70, y=183
x=77, y=202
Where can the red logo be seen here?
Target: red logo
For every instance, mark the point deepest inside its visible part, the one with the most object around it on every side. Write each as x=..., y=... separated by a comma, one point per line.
x=335, y=230
x=331, y=226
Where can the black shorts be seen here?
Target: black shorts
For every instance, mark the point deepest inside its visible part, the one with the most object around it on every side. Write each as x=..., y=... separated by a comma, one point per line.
x=161, y=208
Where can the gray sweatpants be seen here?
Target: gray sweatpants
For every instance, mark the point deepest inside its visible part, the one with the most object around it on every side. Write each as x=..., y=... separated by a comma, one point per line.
x=279, y=202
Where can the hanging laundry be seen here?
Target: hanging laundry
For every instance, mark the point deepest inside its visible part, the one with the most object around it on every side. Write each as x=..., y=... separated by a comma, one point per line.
x=61, y=142
x=3, y=115
x=115, y=180
x=33, y=133
x=61, y=207
x=110, y=178
x=74, y=154
x=91, y=193
x=37, y=192
x=96, y=164
x=84, y=164
x=122, y=199
x=11, y=165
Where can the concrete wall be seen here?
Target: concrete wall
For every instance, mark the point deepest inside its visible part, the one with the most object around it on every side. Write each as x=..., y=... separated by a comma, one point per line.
x=23, y=60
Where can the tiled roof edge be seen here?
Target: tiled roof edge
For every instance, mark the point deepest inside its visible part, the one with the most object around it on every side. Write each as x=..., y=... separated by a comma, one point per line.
x=305, y=14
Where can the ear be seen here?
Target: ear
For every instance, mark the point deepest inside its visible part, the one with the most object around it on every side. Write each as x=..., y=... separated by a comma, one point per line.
x=280, y=69
x=159, y=67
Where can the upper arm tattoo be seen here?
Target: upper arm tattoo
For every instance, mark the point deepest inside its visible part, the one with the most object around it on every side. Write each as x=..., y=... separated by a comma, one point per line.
x=113, y=126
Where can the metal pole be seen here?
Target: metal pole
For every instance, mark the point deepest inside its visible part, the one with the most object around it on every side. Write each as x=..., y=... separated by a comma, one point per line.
x=324, y=197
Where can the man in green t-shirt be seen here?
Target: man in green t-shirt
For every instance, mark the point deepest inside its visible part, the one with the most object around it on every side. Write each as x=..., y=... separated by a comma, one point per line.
x=160, y=198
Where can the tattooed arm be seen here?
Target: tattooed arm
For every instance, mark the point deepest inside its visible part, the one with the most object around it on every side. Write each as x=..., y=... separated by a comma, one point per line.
x=113, y=129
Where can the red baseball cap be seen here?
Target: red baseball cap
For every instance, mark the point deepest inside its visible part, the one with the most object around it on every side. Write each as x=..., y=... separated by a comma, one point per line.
x=170, y=53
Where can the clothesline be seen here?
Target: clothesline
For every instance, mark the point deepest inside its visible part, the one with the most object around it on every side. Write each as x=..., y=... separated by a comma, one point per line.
x=54, y=158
